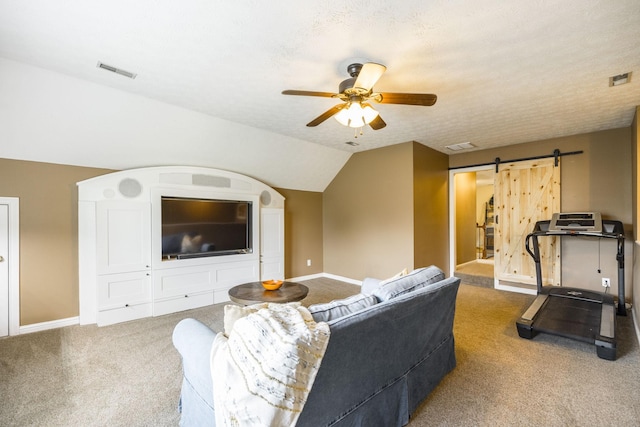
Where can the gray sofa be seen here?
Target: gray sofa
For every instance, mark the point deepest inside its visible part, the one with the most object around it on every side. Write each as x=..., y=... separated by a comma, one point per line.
x=381, y=362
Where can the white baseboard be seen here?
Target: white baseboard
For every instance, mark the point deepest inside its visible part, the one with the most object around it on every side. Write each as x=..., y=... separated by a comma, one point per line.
x=328, y=276
x=342, y=279
x=515, y=289
x=53, y=324
x=61, y=323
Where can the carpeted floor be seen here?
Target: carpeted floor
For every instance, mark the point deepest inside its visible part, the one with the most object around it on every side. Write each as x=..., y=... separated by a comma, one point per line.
x=129, y=374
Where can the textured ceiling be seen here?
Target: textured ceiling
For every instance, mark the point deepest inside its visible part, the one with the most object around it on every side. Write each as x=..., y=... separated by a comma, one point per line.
x=505, y=72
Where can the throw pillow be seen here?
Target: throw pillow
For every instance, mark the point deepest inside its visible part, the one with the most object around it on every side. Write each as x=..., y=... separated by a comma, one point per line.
x=369, y=284
x=338, y=308
x=415, y=280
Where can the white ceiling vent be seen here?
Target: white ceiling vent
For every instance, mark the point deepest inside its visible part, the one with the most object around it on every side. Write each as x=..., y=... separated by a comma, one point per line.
x=116, y=70
x=461, y=146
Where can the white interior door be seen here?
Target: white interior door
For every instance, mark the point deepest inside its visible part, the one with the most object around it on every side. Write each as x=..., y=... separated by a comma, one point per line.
x=4, y=270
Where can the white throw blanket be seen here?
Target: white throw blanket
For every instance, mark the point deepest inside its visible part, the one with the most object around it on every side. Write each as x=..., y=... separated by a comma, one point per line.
x=263, y=372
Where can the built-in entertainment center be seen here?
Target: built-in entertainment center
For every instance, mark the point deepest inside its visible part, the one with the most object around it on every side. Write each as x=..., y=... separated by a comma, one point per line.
x=158, y=240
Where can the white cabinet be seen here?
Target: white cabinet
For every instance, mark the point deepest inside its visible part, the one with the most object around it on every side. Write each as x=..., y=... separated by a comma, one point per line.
x=272, y=244
x=123, y=252
x=123, y=297
x=184, y=288
x=123, y=236
x=122, y=274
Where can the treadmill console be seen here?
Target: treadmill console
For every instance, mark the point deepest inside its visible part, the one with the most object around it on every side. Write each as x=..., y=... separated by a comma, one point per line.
x=590, y=222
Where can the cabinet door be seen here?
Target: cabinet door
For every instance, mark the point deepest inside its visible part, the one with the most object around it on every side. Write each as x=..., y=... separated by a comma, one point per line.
x=123, y=290
x=272, y=244
x=123, y=236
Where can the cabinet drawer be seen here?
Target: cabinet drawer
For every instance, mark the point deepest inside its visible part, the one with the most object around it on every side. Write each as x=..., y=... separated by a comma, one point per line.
x=185, y=302
x=123, y=314
x=119, y=290
x=182, y=281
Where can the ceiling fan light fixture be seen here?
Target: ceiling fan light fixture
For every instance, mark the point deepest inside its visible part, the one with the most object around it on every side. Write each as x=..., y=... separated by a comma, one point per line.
x=356, y=116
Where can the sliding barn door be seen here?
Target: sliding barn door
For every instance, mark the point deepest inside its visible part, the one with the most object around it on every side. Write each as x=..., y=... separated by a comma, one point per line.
x=526, y=192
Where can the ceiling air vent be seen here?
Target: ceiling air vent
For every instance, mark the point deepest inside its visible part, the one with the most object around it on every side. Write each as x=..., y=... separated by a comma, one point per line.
x=620, y=79
x=116, y=70
x=461, y=146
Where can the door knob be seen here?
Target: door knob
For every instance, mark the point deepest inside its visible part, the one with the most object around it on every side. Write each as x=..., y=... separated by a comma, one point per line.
x=1, y=258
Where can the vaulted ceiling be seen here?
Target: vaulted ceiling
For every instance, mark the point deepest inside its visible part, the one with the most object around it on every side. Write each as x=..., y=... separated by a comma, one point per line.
x=505, y=72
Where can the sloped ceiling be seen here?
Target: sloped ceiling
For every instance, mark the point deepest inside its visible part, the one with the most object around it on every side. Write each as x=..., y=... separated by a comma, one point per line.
x=505, y=72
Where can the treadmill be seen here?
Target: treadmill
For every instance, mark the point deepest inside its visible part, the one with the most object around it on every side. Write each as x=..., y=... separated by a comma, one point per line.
x=575, y=313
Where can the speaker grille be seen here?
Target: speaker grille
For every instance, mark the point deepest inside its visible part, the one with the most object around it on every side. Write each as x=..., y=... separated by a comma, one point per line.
x=265, y=198
x=211, y=180
x=130, y=187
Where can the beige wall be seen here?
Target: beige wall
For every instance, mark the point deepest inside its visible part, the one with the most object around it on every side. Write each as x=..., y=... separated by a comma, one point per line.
x=368, y=215
x=431, y=207
x=386, y=210
x=598, y=180
x=466, y=208
x=48, y=235
x=302, y=232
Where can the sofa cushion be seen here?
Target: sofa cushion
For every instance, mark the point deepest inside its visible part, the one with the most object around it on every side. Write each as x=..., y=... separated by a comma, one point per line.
x=417, y=279
x=392, y=278
x=338, y=308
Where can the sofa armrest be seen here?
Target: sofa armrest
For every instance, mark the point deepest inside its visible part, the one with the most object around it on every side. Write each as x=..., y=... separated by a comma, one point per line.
x=193, y=341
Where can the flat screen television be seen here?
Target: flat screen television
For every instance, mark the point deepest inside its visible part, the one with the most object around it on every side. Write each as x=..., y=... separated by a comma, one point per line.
x=193, y=228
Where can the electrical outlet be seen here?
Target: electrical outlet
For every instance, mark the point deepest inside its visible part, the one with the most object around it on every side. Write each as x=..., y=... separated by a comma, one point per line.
x=308, y=263
x=606, y=282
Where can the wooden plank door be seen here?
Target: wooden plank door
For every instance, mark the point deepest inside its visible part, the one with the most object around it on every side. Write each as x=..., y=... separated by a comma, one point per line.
x=526, y=192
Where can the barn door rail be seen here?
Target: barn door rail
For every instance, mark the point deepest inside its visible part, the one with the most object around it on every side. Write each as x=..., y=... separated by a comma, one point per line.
x=556, y=155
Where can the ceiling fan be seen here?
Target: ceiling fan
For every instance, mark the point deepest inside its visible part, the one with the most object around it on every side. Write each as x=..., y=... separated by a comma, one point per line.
x=355, y=92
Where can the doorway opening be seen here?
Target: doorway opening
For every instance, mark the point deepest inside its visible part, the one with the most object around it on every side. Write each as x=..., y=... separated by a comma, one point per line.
x=472, y=217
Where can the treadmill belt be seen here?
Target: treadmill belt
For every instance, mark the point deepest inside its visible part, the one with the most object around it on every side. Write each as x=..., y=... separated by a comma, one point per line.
x=572, y=318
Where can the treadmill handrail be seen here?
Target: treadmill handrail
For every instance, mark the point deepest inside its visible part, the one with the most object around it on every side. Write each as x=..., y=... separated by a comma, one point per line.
x=526, y=246
x=618, y=233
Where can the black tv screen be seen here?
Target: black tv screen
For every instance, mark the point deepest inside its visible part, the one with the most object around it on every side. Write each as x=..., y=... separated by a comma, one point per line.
x=205, y=227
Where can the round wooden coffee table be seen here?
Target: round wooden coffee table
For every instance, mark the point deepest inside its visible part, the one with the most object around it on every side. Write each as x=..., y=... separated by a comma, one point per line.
x=254, y=292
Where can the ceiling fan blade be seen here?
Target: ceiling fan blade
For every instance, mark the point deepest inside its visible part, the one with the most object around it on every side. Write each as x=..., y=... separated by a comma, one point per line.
x=369, y=75
x=377, y=123
x=309, y=93
x=324, y=116
x=424, y=99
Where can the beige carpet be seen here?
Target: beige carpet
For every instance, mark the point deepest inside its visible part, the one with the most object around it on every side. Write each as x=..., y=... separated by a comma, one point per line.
x=479, y=273
x=129, y=374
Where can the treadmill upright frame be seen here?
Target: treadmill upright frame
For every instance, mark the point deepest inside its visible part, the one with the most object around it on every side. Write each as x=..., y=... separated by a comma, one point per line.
x=531, y=322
